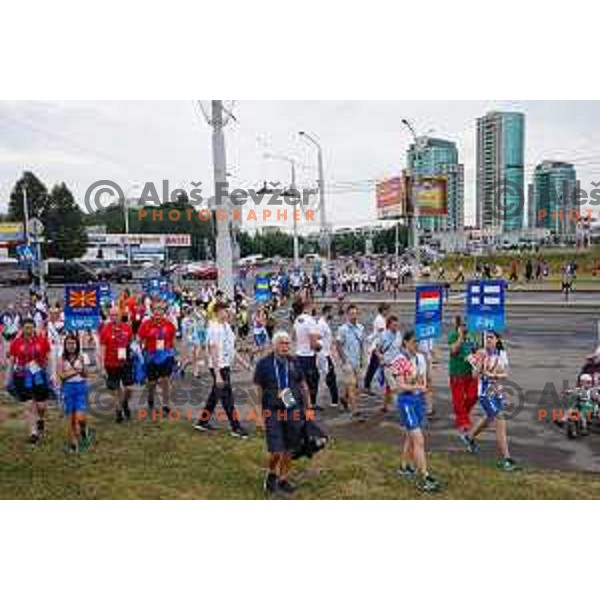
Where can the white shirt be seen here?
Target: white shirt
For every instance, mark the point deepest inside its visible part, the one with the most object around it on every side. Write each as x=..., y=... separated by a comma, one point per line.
x=326, y=336
x=379, y=326
x=304, y=327
x=221, y=337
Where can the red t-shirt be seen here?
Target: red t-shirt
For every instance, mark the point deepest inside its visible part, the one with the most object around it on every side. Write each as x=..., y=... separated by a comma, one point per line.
x=116, y=339
x=157, y=334
x=25, y=351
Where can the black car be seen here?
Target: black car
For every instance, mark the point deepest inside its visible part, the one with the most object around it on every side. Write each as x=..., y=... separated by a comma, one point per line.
x=61, y=273
x=117, y=273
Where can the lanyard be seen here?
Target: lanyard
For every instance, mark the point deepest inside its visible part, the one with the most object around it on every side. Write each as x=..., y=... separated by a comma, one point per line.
x=286, y=380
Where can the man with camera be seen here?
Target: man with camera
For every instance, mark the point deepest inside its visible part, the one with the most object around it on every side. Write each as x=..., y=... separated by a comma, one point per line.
x=284, y=393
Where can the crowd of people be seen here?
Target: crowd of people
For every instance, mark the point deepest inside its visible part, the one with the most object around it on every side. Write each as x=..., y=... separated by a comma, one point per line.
x=289, y=344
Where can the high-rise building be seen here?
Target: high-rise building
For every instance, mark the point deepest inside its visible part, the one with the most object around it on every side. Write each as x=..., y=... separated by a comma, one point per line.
x=554, y=187
x=500, y=171
x=432, y=157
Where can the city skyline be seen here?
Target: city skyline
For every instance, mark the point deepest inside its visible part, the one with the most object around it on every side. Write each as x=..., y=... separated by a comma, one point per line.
x=363, y=141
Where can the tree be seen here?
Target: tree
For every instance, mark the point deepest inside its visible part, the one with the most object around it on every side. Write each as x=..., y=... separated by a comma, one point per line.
x=37, y=198
x=65, y=230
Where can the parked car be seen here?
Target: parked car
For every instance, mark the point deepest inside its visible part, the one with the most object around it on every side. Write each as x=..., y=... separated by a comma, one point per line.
x=12, y=274
x=201, y=272
x=61, y=273
x=116, y=273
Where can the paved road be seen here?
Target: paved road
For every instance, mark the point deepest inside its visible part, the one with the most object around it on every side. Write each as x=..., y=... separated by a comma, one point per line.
x=545, y=348
x=544, y=354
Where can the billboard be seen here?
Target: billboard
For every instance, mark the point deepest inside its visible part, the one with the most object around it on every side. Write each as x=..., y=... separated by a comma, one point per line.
x=12, y=232
x=391, y=198
x=431, y=196
x=172, y=240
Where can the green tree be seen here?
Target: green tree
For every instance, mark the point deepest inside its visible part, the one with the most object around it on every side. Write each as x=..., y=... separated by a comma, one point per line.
x=64, y=224
x=37, y=198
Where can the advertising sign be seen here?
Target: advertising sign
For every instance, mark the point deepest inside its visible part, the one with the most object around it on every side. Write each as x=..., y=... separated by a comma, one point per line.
x=391, y=198
x=12, y=232
x=431, y=196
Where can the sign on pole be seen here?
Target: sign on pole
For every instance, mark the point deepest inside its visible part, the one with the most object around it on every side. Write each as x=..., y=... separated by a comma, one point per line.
x=82, y=307
x=485, y=306
x=156, y=286
x=106, y=295
x=429, y=308
x=27, y=255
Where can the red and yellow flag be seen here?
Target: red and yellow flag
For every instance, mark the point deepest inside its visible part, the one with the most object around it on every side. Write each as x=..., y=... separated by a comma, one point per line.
x=82, y=299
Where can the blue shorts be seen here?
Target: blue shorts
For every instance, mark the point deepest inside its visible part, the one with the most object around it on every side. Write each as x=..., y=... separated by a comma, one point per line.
x=411, y=410
x=75, y=395
x=491, y=405
x=200, y=337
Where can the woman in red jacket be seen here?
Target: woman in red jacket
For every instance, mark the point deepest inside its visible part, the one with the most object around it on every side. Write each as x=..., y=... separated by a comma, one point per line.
x=28, y=354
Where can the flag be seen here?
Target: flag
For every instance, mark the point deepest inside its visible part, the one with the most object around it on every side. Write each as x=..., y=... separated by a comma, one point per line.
x=429, y=300
x=401, y=366
x=82, y=299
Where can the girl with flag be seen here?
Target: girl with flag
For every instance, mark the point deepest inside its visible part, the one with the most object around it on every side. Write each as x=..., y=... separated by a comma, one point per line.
x=410, y=371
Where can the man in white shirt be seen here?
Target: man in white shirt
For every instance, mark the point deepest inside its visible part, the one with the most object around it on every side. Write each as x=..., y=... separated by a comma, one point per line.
x=379, y=326
x=324, y=360
x=220, y=340
x=308, y=343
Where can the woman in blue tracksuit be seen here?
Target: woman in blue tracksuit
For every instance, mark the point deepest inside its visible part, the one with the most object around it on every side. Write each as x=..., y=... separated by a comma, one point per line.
x=410, y=371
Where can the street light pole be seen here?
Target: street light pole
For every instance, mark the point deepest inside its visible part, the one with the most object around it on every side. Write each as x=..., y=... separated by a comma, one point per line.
x=415, y=215
x=294, y=220
x=325, y=239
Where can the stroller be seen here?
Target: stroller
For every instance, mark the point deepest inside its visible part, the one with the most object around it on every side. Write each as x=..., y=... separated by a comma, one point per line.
x=582, y=408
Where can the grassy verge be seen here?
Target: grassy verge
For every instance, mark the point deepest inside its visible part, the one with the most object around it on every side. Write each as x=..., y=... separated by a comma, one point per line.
x=169, y=460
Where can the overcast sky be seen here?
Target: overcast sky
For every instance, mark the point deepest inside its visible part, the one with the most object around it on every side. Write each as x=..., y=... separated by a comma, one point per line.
x=138, y=141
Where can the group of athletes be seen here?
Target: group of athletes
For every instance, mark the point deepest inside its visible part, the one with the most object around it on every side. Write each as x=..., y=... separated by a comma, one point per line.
x=210, y=336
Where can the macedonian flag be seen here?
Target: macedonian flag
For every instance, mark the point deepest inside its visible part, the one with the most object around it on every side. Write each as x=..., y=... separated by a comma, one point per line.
x=79, y=299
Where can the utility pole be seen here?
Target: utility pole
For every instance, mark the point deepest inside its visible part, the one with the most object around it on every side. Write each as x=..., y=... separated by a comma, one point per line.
x=295, y=221
x=26, y=215
x=224, y=242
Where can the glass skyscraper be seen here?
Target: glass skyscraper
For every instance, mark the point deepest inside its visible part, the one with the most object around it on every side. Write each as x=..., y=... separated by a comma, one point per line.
x=554, y=186
x=432, y=157
x=501, y=194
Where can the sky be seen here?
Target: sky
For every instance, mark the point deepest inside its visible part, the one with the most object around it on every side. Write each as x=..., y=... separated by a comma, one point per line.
x=132, y=142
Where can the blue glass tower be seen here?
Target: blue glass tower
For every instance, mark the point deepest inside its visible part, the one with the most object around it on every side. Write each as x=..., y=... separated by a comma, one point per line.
x=501, y=194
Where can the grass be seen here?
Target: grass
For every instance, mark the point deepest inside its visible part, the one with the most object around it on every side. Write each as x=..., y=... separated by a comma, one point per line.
x=171, y=461
x=555, y=257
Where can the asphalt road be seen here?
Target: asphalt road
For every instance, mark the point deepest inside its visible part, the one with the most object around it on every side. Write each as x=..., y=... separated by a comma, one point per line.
x=546, y=349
